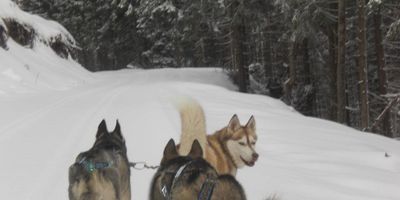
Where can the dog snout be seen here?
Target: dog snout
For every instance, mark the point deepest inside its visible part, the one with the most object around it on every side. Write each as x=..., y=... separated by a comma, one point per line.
x=255, y=156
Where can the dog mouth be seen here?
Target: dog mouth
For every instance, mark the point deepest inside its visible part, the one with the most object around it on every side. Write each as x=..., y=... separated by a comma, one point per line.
x=248, y=163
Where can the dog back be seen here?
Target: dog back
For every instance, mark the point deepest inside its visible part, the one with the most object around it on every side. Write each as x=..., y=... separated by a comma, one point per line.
x=103, y=171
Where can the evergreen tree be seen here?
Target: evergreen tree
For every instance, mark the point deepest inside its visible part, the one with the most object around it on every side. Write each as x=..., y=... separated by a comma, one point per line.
x=157, y=25
x=362, y=64
x=104, y=30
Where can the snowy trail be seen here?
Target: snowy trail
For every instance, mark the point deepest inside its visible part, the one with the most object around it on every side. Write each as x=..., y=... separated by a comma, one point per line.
x=56, y=127
x=300, y=158
x=43, y=138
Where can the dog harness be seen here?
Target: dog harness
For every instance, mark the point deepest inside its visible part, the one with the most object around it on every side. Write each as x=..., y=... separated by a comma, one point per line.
x=206, y=189
x=92, y=166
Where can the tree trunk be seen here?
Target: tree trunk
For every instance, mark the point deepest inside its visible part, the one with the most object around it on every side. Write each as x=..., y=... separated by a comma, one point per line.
x=332, y=65
x=237, y=47
x=308, y=80
x=241, y=60
x=380, y=56
x=340, y=75
x=385, y=111
x=306, y=63
x=289, y=83
x=362, y=64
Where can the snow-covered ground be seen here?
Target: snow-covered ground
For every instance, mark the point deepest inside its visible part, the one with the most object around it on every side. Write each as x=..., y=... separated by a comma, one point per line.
x=26, y=70
x=301, y=158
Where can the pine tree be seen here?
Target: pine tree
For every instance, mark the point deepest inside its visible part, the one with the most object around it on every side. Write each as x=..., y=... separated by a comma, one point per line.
x=104, y=30
x=157, y=25
x=340, y=82
x=362, y=64
x=380, y=62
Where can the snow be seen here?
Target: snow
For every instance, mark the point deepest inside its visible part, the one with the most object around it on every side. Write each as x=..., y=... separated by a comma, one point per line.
x=166, y=6
x=3, y=24
x=377, y=1
x=301, y=158
x=26, y=70
x=45, y=30
x=12, y=75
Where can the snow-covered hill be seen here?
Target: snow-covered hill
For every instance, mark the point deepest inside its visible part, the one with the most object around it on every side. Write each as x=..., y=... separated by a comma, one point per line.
x=301, y=158
x=30, y=63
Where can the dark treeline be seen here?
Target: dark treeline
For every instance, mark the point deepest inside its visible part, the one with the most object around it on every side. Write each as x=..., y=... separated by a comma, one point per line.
x=332, y=59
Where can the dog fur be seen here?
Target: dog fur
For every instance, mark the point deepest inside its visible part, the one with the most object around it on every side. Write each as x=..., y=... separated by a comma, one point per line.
x=228, y=149
x=188, y=184
x=108, y=183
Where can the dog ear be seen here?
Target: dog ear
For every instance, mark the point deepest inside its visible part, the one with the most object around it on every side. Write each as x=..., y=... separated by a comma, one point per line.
x=251, y=124
x=170, y=150
x=117, y=130
x=102, y=129
x=196, y=151
x=234, y=123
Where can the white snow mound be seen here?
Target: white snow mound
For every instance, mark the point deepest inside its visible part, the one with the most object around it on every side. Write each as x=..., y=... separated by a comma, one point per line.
x=25, y=69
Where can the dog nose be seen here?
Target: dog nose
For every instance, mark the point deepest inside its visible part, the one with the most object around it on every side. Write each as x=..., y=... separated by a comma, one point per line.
x=255, y=156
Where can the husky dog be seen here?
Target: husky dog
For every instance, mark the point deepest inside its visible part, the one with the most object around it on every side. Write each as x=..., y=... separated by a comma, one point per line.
x=191, y=177
x=102, y=173
x=226, y=150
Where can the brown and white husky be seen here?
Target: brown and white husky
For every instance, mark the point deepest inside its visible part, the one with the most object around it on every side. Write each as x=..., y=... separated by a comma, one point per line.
x=227, y=149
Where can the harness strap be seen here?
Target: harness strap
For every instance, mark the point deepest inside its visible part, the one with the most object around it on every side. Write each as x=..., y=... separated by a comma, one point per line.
x=207, y=189
x=164, y=188
x=180, y=170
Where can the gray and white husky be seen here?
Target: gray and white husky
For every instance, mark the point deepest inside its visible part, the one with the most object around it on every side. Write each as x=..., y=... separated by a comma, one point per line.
x=102, y=172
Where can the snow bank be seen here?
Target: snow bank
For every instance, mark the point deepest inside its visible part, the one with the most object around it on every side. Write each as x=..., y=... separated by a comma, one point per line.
x=46, y=30
x=36, y=66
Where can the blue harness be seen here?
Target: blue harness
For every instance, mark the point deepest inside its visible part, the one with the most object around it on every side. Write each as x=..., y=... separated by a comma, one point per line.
x=92, y=166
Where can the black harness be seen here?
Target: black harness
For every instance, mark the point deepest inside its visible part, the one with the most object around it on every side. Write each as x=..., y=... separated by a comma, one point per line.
x=206, y=189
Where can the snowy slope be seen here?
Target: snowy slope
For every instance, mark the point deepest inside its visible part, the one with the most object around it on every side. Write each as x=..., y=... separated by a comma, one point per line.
x=300, y=158
x=45, y=29
x=26, y=69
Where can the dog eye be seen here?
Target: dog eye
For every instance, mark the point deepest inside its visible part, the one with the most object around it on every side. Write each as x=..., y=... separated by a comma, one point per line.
x=253, y=143
x=242, y=143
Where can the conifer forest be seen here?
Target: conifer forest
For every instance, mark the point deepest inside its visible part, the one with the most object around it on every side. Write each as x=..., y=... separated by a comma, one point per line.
x=333, y=59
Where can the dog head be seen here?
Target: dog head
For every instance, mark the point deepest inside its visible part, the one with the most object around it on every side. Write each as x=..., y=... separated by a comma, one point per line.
x=241, y=141
x=106, y=139
x=180, y=174
x=171, y=153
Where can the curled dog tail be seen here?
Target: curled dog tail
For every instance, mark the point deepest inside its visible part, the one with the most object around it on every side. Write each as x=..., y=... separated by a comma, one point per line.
x=193, y=125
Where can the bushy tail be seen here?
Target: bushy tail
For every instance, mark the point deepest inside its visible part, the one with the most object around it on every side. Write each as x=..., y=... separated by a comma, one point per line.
x=193, y=124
